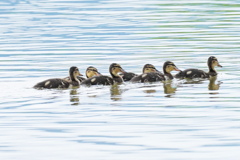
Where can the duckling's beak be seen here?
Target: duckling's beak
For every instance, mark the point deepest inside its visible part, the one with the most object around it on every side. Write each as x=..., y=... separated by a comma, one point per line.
x=79, y=74
x=157, y=70
x=176, y=69
x=122, y=70
x=219, y=65
x=98, y=74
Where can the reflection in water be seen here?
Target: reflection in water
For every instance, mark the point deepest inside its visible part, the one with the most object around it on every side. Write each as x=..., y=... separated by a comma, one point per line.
x=167, y=86
x=115, y=92
x=74, y=97
x=168, y=89
x=212, y=86
x=150, y=88
x=150, y=91
x=194, y=81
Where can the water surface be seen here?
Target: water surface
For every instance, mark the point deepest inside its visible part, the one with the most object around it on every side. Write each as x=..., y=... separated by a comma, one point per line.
x=173, y=120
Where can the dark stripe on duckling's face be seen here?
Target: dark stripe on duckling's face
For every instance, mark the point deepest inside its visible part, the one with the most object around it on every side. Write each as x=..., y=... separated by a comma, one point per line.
x=147, y=68
x=92, y=71
x=169, y=66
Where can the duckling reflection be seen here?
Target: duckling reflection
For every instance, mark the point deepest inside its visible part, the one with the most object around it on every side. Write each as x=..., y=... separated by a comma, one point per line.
x=212, y=85
x=150, y=91
x=168, y=89
x=115, y=92
x=194, y=81
x=74, y=97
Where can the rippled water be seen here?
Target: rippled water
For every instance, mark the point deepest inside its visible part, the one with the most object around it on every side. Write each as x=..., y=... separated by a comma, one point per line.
x=173, y=120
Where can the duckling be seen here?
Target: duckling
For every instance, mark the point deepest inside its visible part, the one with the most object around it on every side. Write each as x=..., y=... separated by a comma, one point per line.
x=196, y=73
x=90, y=72
x=151, y=74
x=114, y=69
x=61, y=83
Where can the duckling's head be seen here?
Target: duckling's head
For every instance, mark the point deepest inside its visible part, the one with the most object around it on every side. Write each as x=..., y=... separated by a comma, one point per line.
x=91, y=72
x=149, y=68
x=74, y=72
x=213, y=62
x=114, y=69
x=169, y=66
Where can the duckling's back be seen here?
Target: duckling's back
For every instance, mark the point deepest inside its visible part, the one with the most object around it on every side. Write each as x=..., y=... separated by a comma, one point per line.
x=81, y=79
x=192, y=73
x=127, y=76
x=148, y=77
x=98, y=80
x=52, y=83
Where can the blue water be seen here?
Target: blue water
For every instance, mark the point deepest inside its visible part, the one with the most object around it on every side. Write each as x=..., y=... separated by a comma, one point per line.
x=176, y=120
